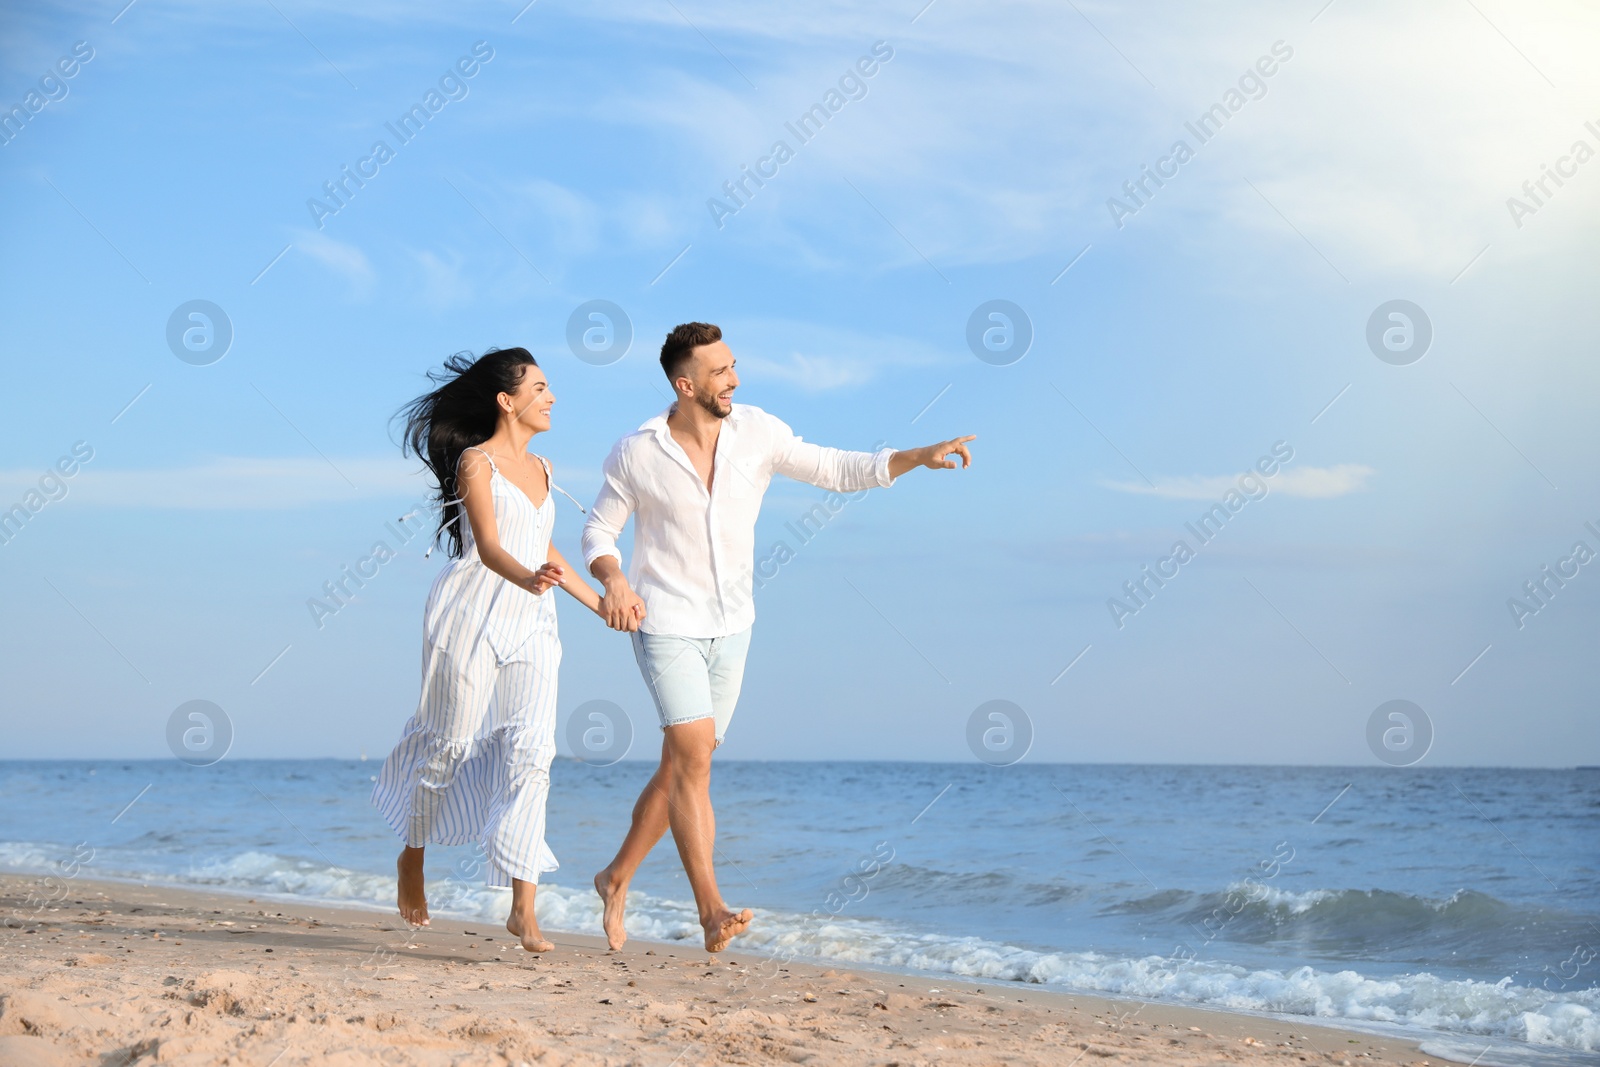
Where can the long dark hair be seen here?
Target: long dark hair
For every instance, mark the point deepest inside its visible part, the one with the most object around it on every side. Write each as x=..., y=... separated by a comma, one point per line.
x=462, y=412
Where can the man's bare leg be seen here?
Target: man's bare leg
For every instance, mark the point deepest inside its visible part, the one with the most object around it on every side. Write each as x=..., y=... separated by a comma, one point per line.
x=522, y=923
x=413, y=901
x=649, y=824
x=694, y=828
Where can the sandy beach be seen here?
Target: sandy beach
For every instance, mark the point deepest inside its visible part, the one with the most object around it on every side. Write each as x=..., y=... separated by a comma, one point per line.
x=107, y=973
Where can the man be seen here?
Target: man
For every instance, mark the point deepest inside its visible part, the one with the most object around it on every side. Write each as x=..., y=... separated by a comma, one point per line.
x=693, y=477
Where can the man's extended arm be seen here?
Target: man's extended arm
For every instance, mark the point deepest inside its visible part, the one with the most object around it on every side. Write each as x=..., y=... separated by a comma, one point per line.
x=844, y=471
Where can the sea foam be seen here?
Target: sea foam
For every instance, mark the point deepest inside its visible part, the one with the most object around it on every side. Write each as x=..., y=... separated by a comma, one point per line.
x=1419, y=1005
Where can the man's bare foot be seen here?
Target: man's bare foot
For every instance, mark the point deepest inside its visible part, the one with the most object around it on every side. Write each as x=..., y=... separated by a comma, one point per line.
x=526, y=929
x=614, y=897
x=413, y=902
x=725, y=925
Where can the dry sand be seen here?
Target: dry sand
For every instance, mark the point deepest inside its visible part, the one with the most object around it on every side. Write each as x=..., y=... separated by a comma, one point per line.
x=114, y=975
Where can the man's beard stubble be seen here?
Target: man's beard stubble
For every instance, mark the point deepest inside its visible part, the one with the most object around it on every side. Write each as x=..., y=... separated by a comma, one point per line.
x=712, y=403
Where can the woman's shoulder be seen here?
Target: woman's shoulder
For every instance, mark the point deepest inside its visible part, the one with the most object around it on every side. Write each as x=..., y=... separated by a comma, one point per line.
x=473, y=459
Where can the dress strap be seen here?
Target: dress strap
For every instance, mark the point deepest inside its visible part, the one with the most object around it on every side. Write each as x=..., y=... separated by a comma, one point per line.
x=549, y=480
x=475, y=448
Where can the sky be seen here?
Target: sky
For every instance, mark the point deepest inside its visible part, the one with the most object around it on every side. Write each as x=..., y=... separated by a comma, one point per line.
x=1317, y=239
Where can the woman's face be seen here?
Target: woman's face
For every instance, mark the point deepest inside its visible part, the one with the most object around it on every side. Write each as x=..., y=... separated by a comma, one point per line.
x=530, y=404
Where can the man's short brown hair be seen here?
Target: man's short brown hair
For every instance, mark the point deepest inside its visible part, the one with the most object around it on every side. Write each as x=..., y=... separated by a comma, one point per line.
x=681, y=343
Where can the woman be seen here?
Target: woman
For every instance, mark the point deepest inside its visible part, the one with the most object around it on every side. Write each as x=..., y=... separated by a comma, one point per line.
x=473, y=764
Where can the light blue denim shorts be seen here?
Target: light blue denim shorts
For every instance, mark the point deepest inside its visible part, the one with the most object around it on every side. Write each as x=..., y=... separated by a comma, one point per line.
x=693, y=678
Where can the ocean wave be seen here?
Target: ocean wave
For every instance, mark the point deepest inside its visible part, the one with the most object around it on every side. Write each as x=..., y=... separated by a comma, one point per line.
x=1419, y=1003
x=1352, y=923
x=934, y=884
x=1398, y=927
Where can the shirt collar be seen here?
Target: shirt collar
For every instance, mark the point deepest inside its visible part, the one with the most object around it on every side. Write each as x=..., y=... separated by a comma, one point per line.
x=657, y=424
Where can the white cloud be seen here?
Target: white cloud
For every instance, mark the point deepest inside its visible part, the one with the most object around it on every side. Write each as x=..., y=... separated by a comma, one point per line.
x=818, y=358
x=1323, y=482
x=570, y=221
x=1310, y=482
x=812, y=373
x=345, y=260
x=234, y=483
x=444, y=284
x=241, y=483
x=1390, y=140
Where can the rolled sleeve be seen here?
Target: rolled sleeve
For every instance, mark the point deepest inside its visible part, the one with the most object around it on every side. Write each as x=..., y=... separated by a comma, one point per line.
x=829, y=468
x=612, y=506
x=880, y=467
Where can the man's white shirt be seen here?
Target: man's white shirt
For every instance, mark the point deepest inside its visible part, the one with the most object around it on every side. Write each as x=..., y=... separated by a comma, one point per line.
x=694, y=549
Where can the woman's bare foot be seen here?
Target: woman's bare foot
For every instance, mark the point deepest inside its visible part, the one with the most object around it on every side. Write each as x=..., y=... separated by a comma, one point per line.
x=614, y=896
x=413, y=902
x=723, y=926
x=526, y=929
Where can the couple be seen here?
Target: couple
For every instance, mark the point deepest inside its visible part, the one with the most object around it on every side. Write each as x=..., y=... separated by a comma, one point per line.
x=473, y=763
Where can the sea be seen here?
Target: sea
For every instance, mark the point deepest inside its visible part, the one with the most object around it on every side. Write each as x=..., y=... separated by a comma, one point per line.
x=1456, y=906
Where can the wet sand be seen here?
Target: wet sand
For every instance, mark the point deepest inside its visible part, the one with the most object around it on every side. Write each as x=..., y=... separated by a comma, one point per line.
x=111, y=974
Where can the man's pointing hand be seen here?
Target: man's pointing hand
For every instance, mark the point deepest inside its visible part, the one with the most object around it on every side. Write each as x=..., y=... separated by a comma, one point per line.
x=934, y=457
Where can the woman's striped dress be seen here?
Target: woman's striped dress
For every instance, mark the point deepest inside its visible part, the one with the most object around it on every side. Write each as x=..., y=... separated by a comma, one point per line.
x=473, y=763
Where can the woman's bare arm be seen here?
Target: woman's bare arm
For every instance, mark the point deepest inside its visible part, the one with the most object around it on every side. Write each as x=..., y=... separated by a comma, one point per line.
x=473, y=476
x=572, y=581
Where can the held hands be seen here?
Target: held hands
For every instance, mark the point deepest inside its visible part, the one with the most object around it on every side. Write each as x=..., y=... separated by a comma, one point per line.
x=547, y=577
x=621, y=607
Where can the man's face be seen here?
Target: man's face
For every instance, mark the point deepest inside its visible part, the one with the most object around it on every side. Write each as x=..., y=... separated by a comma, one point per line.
x=712, y=377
